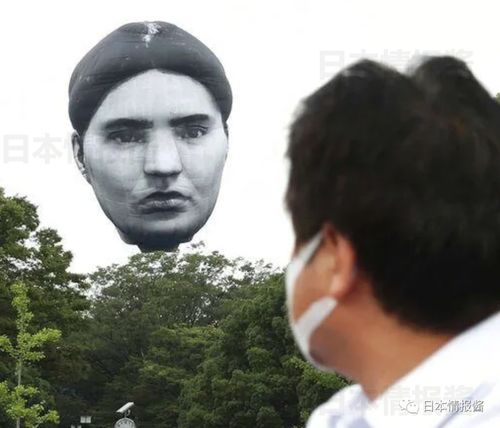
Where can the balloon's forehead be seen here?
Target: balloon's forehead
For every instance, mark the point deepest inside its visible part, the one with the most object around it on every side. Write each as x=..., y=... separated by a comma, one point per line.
x=156, y=92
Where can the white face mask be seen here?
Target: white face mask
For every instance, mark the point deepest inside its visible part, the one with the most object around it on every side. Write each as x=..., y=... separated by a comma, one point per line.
x=317, y=312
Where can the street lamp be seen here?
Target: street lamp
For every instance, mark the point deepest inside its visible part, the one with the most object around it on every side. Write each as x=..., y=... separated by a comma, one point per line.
x=125, y=422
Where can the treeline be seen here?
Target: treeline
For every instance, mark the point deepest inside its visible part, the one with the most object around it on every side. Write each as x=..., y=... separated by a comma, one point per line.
x=195, y=339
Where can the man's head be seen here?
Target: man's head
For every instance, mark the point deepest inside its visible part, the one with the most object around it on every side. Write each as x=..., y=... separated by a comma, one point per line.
x=400, y=177
x=149, y=106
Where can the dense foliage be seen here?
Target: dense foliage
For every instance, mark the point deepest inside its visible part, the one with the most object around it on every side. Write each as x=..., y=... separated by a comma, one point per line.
x=193, y=338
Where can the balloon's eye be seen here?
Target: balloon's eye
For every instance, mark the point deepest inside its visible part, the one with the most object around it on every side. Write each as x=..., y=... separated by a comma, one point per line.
x=127, y=136
x=191, y=132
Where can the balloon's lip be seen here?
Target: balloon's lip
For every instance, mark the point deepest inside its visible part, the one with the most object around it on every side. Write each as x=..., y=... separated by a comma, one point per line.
x=162, y=201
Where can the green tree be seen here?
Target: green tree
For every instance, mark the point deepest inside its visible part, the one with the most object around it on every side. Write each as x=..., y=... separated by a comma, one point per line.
x=254, y=375
x=192, y=337
x=26, y=350
x=196, y=339
x=154, y=298
x=34, y=256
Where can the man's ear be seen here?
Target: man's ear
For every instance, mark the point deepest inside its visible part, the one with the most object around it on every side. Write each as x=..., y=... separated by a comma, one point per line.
x=77, y=143
x=344, y=262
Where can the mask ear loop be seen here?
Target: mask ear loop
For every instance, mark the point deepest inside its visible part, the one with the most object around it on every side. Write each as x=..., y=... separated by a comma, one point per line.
x=312, y=318
x=298, y=263
x=307, y=252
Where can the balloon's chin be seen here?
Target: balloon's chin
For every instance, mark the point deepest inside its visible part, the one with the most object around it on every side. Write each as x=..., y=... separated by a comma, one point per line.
x=148, y=244
x=149, y=249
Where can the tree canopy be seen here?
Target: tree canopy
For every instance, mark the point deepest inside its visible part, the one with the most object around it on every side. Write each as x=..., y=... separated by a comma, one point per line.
x=192, y=337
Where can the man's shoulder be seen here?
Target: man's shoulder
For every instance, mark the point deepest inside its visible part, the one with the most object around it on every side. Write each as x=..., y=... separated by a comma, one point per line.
x=326, y=414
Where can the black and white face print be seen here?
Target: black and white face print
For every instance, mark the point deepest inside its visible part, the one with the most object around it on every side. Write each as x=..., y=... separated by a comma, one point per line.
x=154, y=151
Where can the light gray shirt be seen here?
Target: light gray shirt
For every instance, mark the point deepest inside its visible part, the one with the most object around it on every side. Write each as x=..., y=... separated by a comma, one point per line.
x=458, y=386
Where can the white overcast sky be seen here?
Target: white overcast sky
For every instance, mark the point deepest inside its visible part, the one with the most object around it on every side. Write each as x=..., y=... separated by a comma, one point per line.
x=272, y=51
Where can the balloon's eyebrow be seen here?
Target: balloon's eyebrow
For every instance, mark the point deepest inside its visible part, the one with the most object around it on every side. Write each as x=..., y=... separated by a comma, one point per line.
x=127, y=123
x=186, y=120
x=136, y=123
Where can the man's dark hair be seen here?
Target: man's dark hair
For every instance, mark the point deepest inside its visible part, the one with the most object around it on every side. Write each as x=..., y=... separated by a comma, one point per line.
x=407, y=167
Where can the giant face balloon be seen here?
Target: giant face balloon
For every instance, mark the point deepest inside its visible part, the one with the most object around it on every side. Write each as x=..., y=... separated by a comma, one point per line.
x=149, y=106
